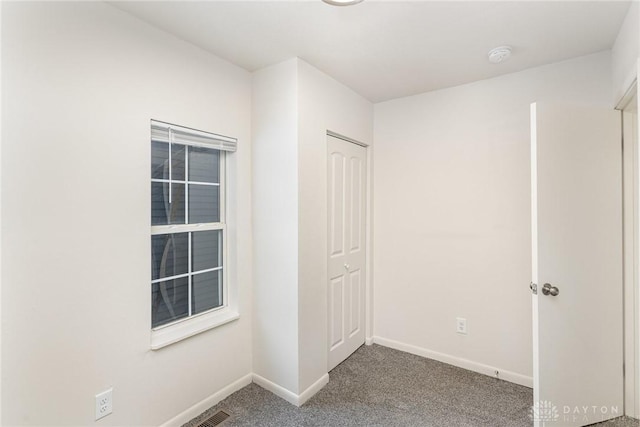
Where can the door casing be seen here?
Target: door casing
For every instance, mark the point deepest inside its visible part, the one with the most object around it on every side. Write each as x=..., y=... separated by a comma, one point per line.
x=631, y=238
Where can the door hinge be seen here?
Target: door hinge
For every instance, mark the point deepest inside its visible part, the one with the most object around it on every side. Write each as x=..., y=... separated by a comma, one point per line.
x=534, y=288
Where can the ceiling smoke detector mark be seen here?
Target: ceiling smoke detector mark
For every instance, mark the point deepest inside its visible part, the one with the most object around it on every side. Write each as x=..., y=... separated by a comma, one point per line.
x=342, y=2
x=499, y=54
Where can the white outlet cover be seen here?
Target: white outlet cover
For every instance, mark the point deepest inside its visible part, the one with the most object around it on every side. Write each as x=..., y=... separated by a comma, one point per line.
x=104, y=403
x=461, y=325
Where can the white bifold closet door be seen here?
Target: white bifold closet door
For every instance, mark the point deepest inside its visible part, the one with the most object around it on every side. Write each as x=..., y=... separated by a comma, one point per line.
x=347, y=183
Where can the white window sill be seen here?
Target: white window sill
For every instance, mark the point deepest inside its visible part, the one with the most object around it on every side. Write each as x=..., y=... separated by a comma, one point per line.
x=170, y=334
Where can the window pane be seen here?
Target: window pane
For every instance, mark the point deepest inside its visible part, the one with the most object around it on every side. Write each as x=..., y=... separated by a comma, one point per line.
x=207, y=291
x=160, y=161
x=163, y=212
x=206, y=250
x=204, y=164
x=169, y=301
x=177, y=160
x=169, y=255
x=204, y=203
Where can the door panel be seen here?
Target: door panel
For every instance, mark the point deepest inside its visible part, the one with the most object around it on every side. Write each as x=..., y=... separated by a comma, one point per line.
x=356, y=204
x=355, y=286
x=577, y=248
x=337, y=203
x=336, y=311
x=346, y=264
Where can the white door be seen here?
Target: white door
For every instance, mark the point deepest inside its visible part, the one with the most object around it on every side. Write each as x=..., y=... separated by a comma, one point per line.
x=576, y=182
x=347, y=183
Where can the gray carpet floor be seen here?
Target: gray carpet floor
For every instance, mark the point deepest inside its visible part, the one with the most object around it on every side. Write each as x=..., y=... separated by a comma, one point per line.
x=379, y=386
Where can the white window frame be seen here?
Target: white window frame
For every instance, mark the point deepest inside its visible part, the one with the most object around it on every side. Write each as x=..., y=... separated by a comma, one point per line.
x=193, y=324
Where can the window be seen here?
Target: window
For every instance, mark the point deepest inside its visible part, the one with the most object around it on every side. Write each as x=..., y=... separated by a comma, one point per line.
x=188, y=232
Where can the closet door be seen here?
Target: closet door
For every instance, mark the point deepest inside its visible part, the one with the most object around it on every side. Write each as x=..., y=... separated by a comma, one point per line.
x=347, y=174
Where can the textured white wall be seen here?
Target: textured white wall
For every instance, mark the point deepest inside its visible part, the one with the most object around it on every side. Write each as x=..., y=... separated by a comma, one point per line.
x=275, y=224
x=625, y=52
x=452, y=211
x=324, y=104
x=80, y=83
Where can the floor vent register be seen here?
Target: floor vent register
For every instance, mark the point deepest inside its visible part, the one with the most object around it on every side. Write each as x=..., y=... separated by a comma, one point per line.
x=215, y=419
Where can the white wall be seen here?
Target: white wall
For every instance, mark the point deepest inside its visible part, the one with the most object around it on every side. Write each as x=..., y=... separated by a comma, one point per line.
x=625, y=52
x=452, y=213
x=80, y=83
x=324, y=104
x=275, y=224
x=294, y=106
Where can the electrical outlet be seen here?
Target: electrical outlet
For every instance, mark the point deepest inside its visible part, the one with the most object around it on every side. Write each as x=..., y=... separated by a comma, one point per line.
x=461, y=325
x=104, y=403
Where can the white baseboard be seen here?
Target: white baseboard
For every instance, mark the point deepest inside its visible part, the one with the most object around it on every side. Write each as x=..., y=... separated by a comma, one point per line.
x=289, y=396
x=208, y=402
x=457, y=361
x=276, y=389
x=368, y=341
x=313, y=389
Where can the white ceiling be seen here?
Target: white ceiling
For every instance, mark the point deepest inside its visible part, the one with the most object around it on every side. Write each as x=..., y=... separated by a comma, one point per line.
x=389, y=49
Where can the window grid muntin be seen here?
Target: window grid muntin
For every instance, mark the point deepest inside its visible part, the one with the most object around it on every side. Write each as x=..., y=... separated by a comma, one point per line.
x=177, y=181
x=196, y=227
x=191, y=273
x=189, y=258
x=186, y=220
x=171, y=169
x=186, y=202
